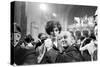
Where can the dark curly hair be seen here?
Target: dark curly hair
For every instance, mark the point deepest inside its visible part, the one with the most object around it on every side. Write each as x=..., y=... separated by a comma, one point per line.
x=28, y=38
x=39, y=35
x=51, y=25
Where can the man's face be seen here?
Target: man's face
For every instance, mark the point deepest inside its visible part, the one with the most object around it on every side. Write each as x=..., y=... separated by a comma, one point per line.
x=64, y=40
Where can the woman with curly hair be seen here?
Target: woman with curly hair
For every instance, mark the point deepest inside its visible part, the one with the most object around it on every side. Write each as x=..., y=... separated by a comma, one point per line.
x=51, y=47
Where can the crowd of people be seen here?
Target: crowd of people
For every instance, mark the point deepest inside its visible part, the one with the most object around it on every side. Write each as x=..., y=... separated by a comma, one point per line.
x=54, y=46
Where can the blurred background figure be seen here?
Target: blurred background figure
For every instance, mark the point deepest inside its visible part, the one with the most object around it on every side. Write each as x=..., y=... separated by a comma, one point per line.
x=17, y=34
x=40, y=46
x=91, y=43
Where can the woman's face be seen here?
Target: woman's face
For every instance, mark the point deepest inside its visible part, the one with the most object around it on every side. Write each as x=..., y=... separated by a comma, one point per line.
x=55, y=32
